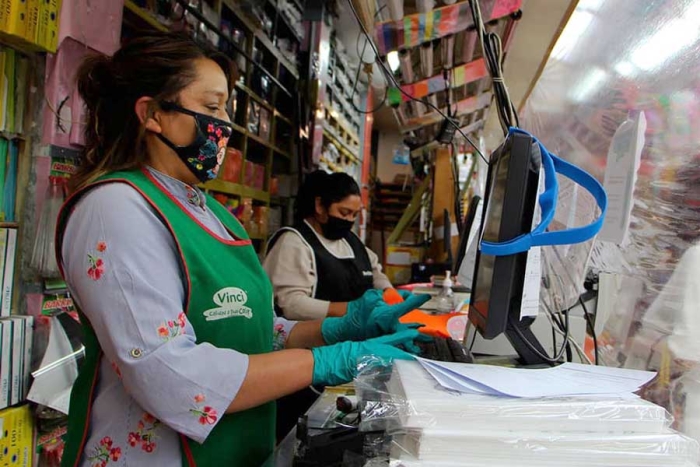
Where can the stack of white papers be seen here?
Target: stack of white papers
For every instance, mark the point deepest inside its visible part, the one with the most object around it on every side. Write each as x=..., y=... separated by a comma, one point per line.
x=569, y=379
x=504, y=417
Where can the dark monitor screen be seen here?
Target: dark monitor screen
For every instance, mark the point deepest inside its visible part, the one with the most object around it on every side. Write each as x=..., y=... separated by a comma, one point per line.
x=511, y=194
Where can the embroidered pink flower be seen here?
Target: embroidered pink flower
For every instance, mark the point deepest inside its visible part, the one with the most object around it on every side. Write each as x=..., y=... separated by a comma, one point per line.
x=104, y=453
x=101, y=246
x=96, y=269
x=134, y=439
x=207, y=415
x=145, y=434
x=171, y=329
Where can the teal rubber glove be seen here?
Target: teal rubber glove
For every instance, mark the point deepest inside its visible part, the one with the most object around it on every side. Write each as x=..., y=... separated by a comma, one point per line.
x=337, y=364
x=370, y=316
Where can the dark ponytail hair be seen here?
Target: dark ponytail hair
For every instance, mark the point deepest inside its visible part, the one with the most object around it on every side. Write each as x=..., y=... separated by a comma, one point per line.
x=157, y=65
x=331, y=188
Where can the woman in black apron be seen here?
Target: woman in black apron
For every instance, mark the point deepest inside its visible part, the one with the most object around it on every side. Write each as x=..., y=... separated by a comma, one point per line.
x=319, y=265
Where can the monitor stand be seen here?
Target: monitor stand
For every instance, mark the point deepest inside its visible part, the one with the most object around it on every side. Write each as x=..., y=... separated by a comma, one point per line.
x=527, y=356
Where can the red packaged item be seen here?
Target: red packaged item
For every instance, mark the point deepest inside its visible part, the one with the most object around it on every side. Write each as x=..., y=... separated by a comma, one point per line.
x=274, y=186
x=249, y=174
x=221, y=198
x=232, y=166
x=259, y=177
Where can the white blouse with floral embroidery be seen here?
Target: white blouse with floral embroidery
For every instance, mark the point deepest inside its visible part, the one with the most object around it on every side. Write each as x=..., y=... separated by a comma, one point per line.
x=123, y=270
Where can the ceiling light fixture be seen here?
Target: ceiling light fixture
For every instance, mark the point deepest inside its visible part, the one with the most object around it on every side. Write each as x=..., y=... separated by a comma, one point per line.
x=393, y=59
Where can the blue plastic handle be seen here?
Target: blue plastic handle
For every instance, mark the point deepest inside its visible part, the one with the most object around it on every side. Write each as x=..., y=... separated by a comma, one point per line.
x=548, y=202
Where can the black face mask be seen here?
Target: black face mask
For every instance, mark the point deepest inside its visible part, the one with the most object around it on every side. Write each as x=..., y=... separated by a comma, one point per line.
x=206, y=154
x=336, y=228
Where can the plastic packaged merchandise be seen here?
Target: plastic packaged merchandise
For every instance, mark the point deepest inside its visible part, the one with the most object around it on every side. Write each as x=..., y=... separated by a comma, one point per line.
x=426, y=425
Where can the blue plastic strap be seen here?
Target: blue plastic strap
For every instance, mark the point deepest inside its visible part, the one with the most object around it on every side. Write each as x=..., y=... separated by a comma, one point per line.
x=548, y=200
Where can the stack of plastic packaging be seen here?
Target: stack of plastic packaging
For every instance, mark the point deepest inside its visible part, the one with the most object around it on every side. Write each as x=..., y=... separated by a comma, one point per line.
x=425, y=425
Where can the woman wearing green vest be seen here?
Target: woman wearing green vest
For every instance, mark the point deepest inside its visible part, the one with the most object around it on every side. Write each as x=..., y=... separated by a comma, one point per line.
x=184, y=357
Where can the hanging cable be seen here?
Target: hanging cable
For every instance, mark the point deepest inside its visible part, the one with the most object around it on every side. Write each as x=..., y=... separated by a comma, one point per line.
x=492, y=51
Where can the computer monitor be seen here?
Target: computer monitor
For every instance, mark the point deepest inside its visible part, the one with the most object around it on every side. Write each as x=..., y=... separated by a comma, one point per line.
x=469, y=234
x=509, y=207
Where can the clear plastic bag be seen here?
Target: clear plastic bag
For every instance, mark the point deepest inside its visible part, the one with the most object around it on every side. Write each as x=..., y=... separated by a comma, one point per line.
x=427, y=425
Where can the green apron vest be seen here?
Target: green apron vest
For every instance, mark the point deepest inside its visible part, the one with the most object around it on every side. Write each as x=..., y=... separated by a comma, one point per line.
x=229, y=304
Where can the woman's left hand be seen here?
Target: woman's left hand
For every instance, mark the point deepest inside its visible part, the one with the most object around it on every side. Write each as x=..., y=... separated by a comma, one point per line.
x=370, y=316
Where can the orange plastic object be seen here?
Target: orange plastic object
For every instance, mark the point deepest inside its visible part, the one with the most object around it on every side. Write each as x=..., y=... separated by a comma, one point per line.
x=392, y=297
x=433, y=325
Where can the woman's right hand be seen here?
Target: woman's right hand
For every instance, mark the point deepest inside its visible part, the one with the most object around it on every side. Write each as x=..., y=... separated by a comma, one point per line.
x=337, y=364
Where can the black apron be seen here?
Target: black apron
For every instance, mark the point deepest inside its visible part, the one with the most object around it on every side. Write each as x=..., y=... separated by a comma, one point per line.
x=337, y=280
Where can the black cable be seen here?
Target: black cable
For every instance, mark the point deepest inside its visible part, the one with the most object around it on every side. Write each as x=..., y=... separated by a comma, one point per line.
x=591, y=328
x=357, y=75
x=556, y=319
x=492, y=51
x=354, y=85
x=534, y=349
x=390, y=76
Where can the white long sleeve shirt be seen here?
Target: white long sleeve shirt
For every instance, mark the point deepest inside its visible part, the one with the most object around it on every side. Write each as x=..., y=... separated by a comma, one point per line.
x=290, y=266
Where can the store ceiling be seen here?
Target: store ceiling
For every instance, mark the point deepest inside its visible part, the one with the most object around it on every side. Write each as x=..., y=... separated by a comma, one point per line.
x=534, y=34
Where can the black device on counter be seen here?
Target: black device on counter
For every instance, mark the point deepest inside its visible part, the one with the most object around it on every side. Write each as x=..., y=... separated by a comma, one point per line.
x=509, y=207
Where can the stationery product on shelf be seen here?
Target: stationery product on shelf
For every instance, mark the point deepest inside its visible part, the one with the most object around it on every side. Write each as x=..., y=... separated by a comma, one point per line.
x=8, y=276
x=253, y=117
x=5, y=362
x=10, y=187
x=260, y=219
x=258, y=177
x=264, y=130
x=245, y=211
x=232, y=165
x=43, y=254
x=18, y=436
x=274, y=186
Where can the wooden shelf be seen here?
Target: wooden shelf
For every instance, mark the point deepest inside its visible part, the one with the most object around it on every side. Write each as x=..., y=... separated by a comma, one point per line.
x=342, y=147
x=145, y=16
x=254, y=96
x=260, y=140
x=335, y=115
x=229, y=188
x=279, y=116
x=9, y=225
x=277, y=200
x=259, y=35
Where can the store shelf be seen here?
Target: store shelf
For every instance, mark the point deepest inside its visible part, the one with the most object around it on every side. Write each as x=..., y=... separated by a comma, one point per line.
x=259, y=35
x=276, y=200
x=9, y=225
x=229, y=188
x=144, y=15
x=254, y=96
x=279, y=116
x=335, y=115
x=260, y=140
x=342, y=147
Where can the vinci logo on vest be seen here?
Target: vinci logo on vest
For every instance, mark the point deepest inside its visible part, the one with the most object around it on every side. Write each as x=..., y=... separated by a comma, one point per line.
x=231, y=301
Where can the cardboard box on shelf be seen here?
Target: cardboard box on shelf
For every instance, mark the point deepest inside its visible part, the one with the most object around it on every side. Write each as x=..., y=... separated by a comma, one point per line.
x=398, y=262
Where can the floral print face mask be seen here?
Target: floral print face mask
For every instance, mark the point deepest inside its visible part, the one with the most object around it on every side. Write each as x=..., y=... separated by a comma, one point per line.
x=206, y=154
